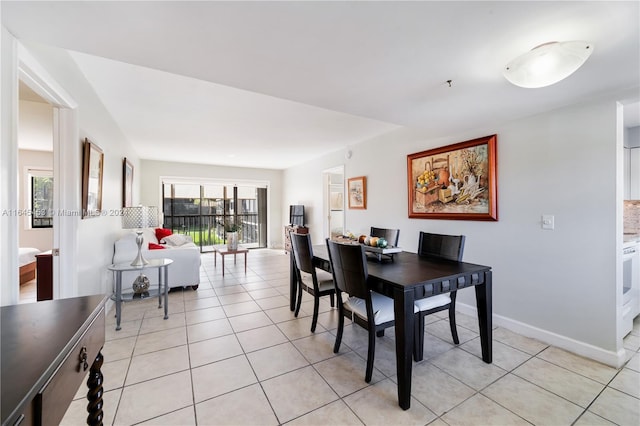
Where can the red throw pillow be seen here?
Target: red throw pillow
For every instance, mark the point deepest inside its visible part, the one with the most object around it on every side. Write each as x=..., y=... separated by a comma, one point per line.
x=162, y=232
x=154, y=246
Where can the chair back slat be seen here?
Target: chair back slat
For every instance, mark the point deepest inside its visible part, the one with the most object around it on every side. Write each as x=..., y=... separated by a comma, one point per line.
x=302, y=252
x=450, y=247
x=349, y=267
x=391, y=235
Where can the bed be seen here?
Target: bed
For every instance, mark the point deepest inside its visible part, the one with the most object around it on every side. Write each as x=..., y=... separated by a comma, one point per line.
x=27, y=261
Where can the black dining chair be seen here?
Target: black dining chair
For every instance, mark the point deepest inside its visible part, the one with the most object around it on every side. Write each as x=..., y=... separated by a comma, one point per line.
x=438, y=246
x=317, y=283
x=368, y=309
x=391, y=235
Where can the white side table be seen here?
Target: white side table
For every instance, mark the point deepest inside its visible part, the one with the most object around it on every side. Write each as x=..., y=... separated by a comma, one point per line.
x=163, y=280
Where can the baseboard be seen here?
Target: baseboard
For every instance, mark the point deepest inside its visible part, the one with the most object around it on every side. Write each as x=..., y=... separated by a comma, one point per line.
x=612, y=358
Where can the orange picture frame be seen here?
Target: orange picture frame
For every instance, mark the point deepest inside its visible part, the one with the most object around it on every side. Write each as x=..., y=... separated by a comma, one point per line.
x=357, y=192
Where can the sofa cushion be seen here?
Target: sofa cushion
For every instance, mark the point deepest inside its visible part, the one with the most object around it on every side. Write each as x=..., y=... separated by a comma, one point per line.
x=153, y=246
x=175, y=240
x=162, y=232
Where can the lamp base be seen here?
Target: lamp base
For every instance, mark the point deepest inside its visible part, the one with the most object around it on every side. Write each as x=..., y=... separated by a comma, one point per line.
x=139, y=261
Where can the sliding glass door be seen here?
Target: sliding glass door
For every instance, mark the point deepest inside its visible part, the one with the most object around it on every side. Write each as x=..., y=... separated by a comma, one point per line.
x=206, y=211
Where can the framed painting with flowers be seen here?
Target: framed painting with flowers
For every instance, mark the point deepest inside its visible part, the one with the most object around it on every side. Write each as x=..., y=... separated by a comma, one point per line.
x=456, y=181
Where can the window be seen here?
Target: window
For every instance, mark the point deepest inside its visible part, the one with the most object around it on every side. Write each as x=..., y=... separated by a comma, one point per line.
x=41, y=198
x=203, y=210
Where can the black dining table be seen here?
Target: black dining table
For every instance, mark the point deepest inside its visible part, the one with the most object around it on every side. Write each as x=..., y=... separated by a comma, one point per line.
x=410, y=277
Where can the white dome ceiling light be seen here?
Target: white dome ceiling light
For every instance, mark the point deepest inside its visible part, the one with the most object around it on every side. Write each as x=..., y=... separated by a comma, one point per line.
x=547, y=63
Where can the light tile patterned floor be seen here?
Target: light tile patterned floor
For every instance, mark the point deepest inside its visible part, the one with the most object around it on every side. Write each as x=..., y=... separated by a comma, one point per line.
x=232, y=353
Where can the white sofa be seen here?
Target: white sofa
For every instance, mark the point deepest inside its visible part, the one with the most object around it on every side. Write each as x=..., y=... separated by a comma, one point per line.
x=183, y=272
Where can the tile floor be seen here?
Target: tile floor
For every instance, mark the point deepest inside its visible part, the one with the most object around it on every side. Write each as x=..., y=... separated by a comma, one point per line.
x=232, y=353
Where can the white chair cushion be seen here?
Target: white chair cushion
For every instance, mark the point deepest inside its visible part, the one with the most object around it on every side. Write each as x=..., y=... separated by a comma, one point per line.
x=382, y=307
x=324, y=275
x=323, y=284
x=432, y=302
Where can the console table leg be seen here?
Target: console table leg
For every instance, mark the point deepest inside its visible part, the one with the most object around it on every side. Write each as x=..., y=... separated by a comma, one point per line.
x=94, y=382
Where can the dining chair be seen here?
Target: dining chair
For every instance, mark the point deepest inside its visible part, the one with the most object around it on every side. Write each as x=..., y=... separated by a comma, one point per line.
x=439, y=246
x=391, y=235
x=317, y=283
x=370, y=310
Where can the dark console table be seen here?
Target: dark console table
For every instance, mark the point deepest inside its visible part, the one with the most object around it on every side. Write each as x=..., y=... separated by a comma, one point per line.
x=44, y=276
x=47, y=349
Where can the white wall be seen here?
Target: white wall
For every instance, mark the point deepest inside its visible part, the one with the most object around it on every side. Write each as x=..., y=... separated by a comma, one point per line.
x=151, y=172
x=40, y=238
x=560, y=285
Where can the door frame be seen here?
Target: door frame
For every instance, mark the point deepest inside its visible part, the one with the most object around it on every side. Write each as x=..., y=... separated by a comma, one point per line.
x=326, y=201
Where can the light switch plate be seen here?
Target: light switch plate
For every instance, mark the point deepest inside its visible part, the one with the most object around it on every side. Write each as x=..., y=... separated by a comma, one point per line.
x=548, y=221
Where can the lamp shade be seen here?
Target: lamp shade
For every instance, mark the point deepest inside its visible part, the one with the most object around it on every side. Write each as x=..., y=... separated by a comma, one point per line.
x=139, y=217
x=548, y=63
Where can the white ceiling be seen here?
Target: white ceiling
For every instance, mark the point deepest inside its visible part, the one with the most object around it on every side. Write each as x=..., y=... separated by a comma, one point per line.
x=269, y=84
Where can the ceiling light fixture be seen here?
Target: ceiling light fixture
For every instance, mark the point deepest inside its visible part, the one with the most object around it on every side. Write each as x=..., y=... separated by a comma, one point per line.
x=548, y=63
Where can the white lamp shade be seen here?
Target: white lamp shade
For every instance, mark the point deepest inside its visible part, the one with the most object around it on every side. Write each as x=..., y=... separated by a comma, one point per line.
x=548, y=63
x=139, y=217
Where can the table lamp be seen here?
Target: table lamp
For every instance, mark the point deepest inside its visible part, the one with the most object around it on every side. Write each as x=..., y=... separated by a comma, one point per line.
x=138, y=218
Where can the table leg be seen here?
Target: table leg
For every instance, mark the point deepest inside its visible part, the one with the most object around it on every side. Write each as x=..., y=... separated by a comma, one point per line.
x=160, y=287
x=245, y=263
x=94, y=395
x=215, y=258
x=166, y=291
x=222, y=257
x=485, y=317
x=118, y=298
x=403, y=307
x=234, y=258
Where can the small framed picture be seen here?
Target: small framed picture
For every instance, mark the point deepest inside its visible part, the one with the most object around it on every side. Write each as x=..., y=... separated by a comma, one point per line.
x=357, y=189
x=92, y=164
x=127, y=183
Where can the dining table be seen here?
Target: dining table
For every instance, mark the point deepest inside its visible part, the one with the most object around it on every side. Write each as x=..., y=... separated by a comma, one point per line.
x=408, y=278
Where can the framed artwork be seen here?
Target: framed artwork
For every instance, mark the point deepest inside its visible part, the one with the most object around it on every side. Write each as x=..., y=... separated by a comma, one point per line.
x=92, y=167
x=127, y=183
x=357, y=190
x=457, y=181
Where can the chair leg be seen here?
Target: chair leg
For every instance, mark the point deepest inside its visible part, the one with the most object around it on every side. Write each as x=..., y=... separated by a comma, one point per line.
x=452, y=318
x=370, y=354
x=332, y=299
x=336, y=346
x=316, y=308
x=418, y=337
x=380, y=333
x=299, y=302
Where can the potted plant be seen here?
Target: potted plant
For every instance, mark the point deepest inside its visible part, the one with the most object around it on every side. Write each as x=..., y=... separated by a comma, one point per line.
x=232, y=230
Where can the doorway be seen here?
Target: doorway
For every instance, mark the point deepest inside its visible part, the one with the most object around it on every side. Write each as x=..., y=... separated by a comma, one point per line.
x=333, y=203
x=66, y=155
x=35, y=190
